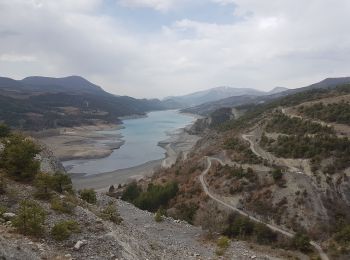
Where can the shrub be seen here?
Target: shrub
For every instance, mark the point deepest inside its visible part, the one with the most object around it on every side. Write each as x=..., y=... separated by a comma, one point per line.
x=223, y=243
x=63, y=229
x=343, y=236
x=43, y=183
x=277, y=174
x=62, y=206
x=3, y=184
x=156, y=196
x=158, y=217
x=30, y=218
x=111, y=213
x=18, y=158
x=61, y=182
x=131, y=192
x=301, y=242
x=89, y=195
x=4, y=131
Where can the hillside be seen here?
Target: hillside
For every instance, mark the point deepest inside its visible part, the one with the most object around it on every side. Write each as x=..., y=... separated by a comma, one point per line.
x=37, y=103
x=42, y=217
x=218, y=93
x=281, y=163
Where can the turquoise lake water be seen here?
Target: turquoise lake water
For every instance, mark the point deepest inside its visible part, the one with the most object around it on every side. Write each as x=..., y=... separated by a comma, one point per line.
x=141, y=138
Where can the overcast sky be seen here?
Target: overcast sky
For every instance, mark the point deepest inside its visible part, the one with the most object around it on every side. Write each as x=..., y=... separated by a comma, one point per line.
x=156, y=48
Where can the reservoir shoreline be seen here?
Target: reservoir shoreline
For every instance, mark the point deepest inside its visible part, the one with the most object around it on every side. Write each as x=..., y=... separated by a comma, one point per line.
x=176, y=144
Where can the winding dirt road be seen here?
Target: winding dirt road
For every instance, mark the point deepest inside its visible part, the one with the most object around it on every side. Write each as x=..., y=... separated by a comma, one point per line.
x=205, y=186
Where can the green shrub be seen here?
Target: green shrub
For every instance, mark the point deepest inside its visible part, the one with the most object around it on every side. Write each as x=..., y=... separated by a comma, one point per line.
x=158, y=217
x=30, y=218
x=3, y=184
x=111, y=213
x=61, y=182
x=43, y=183
x=89, y=195
x=277, y=174
x=4, y=131
x=222, y=244
x=156, y=196
x=301, y=242
x=63, y=229
x=18, y=158
x=343, y=236
x=62, y=206
x=131, y=192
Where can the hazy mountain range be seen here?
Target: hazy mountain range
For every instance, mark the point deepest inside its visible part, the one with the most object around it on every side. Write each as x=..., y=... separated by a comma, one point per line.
x=218, y=93
x=238, y=100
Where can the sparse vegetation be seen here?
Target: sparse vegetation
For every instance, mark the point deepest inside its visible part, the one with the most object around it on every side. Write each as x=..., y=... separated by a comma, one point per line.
x=63, y=229
x=334, y=113
x=89, y=195
x=62, y=205
x=30, y=218
x=111, y=213
x=301, y=242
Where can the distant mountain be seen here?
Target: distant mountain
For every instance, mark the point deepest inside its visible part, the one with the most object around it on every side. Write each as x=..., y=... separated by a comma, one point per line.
x=66, y=84
x=277, y=90
x=209, y=107
x=36, y=103
x=212, y=95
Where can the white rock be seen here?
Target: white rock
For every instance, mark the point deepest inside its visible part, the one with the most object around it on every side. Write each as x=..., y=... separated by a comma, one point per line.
x=253, y=257
x=79, y=244
x=8, y=215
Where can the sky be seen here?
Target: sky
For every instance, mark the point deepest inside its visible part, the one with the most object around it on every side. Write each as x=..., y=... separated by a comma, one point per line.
x=158, y=48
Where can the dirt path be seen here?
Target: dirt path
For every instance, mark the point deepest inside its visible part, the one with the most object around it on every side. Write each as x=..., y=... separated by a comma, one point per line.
x=272, y=227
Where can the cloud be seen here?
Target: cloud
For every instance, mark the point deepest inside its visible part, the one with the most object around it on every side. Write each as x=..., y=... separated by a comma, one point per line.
x=268, y=43
x=159, y=5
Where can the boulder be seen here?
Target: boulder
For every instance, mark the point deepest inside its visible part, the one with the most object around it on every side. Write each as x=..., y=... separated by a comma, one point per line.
x=8, y=215
x=79, y=244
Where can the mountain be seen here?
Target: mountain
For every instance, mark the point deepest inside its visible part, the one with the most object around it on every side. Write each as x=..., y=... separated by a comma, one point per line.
x=37, y=103
x=67, y=84
x=213, y=94
x=277, y=90
x=207, y=108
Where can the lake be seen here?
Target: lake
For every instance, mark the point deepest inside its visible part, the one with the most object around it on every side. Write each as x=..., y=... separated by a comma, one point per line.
x=141, y=138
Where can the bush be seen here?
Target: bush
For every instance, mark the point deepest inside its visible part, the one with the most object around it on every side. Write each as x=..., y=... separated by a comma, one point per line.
x=18, y=158
x=111, y=213
x=62, y=206
x=4, y=131
x=63, y=229
x=3, y=184
x=343, y=236
x=277, y=174
x=43, y=183
x=30, y=218
x=223, y=243
x=131, y=192
x=301, y=242
x=89, y=195
x=61, y=182
x=158, y=217
x=156, y=196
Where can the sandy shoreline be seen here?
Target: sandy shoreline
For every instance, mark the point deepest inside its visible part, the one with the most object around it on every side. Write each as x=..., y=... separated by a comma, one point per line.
x=82, y=142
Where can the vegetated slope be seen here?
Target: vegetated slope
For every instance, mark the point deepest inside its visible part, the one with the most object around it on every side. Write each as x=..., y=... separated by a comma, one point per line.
x=37, y=103
x=218, y=93
x=42, y=217
x=280, y=167
x=238, y=100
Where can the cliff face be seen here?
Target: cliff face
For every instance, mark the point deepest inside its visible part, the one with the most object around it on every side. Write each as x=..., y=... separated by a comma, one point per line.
x=48, y=162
